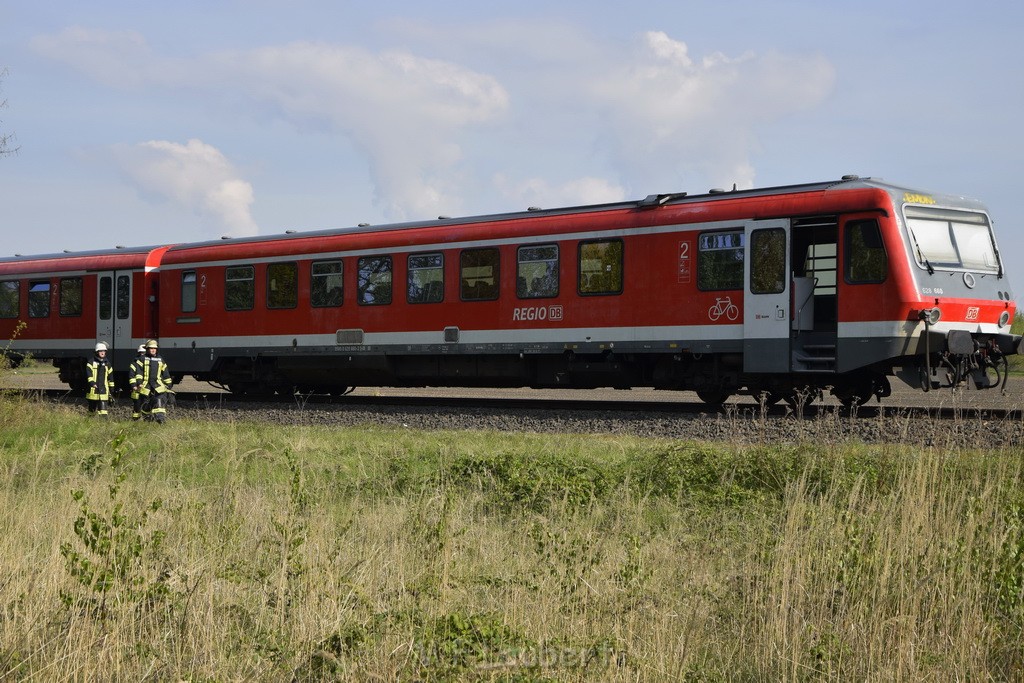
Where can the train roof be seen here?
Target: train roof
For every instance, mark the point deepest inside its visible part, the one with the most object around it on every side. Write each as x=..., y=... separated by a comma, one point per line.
x=650, y=201
x=137, y=256
x=99, y=259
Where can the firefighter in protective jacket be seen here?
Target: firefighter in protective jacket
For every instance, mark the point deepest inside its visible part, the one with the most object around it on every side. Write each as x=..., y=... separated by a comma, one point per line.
x=135, y=381
x=100, y=379
x=154, y=381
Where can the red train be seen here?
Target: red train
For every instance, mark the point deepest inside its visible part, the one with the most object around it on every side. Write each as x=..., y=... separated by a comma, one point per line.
x=780, y=292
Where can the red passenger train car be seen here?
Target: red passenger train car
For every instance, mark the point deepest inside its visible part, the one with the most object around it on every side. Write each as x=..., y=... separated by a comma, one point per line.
x=781, y=291
x=56, y=307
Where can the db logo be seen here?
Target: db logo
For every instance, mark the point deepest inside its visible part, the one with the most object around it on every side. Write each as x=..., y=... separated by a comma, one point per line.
x=531, y=313
x=972, y=313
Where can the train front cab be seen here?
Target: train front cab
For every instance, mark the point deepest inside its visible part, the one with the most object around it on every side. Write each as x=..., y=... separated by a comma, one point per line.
x=963, y=309
x=845, y=301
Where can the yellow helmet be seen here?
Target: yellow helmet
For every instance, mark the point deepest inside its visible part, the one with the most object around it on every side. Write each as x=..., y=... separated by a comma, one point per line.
x=151, y=344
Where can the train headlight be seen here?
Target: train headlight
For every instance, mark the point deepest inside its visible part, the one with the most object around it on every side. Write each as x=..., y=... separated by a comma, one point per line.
x=930, y=315
x=1004, y=318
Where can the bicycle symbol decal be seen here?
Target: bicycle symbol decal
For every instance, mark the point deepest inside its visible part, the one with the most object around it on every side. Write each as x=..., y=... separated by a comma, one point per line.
x=724, y=306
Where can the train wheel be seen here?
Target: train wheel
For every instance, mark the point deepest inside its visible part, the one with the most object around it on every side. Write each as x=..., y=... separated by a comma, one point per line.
x=713, y=397
x=856, y=394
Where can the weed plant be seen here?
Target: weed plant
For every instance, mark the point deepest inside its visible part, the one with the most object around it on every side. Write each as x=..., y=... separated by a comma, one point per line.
x=244, y=552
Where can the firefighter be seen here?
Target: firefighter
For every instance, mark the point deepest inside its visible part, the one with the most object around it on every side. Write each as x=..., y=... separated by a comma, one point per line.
x=154, y=380
x=135, y=381
x=100, y=378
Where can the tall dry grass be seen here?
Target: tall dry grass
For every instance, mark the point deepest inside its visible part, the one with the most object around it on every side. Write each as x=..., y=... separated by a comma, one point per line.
x=372, y=554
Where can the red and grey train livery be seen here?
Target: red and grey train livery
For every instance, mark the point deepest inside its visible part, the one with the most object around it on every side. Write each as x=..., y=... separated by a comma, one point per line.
x=779, y=292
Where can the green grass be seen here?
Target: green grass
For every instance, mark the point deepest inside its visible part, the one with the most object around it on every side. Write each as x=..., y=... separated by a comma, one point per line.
x=199, y=551
x=1017, y=362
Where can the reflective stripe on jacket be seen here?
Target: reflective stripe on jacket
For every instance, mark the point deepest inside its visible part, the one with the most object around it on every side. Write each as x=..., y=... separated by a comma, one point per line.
x=135, y=375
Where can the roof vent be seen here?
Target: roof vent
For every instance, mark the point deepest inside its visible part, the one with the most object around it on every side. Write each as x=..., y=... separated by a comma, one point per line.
x=659, y=199
x=289, y=232
x=851, y=177
x=119, y=246
x=225, y=237
x=443, y=218
x=364, y=225
x=716, y=190
x=533, y=208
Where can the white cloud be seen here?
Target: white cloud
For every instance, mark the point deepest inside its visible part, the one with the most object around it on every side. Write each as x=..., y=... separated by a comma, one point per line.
x=673, y=118
x=539, y=192
x=404, y=111
x=196, y=176
x=653, y=119
x=116, y=58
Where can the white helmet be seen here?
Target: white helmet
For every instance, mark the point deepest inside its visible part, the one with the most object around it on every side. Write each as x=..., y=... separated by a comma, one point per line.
x=142, y=348
x=100, y=346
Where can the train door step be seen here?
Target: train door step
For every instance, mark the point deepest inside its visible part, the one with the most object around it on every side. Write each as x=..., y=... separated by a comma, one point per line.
x=814, y=358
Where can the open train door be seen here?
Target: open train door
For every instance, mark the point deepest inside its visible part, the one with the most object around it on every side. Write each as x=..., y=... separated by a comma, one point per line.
x=766, y=284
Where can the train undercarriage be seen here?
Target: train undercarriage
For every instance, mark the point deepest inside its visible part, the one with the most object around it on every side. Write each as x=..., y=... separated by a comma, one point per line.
x=943, y=360
x=714, y=377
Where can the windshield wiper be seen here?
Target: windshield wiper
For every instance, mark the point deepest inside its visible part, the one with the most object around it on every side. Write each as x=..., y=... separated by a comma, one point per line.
x=920, y=254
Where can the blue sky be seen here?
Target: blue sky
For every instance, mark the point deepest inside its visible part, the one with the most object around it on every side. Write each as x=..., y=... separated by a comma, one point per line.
x=146, y=123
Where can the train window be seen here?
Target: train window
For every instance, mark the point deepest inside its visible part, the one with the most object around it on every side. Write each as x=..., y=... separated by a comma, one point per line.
x=71, y=296
x=239, y=288
x=282, y=285
x=373, y=280
x=866, y=260
x=10, y=299
x=426, y=278
x=479, y=274
x=326, y=284
x=106, y=297
x=188, y=291
x=820, y=263
x=39, y=299
x=720, y=260
x=952, y=239
x=600, y=267
x=768, y=261
x=537, y=272
x=124, y=298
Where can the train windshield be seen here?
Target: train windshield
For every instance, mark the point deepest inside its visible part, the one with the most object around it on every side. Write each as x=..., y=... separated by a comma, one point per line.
x=949, y=239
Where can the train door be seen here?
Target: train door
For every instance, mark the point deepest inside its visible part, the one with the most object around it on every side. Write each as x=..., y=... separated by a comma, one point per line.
x=114, y=309
x=815, y=293
x=766, y=306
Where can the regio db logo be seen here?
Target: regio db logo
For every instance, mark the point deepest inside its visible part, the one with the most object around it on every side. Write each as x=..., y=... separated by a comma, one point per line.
x=537, y=313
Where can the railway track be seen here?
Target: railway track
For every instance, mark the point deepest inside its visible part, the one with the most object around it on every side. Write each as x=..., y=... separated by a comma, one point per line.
x=953, y=408
x=968, y=420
